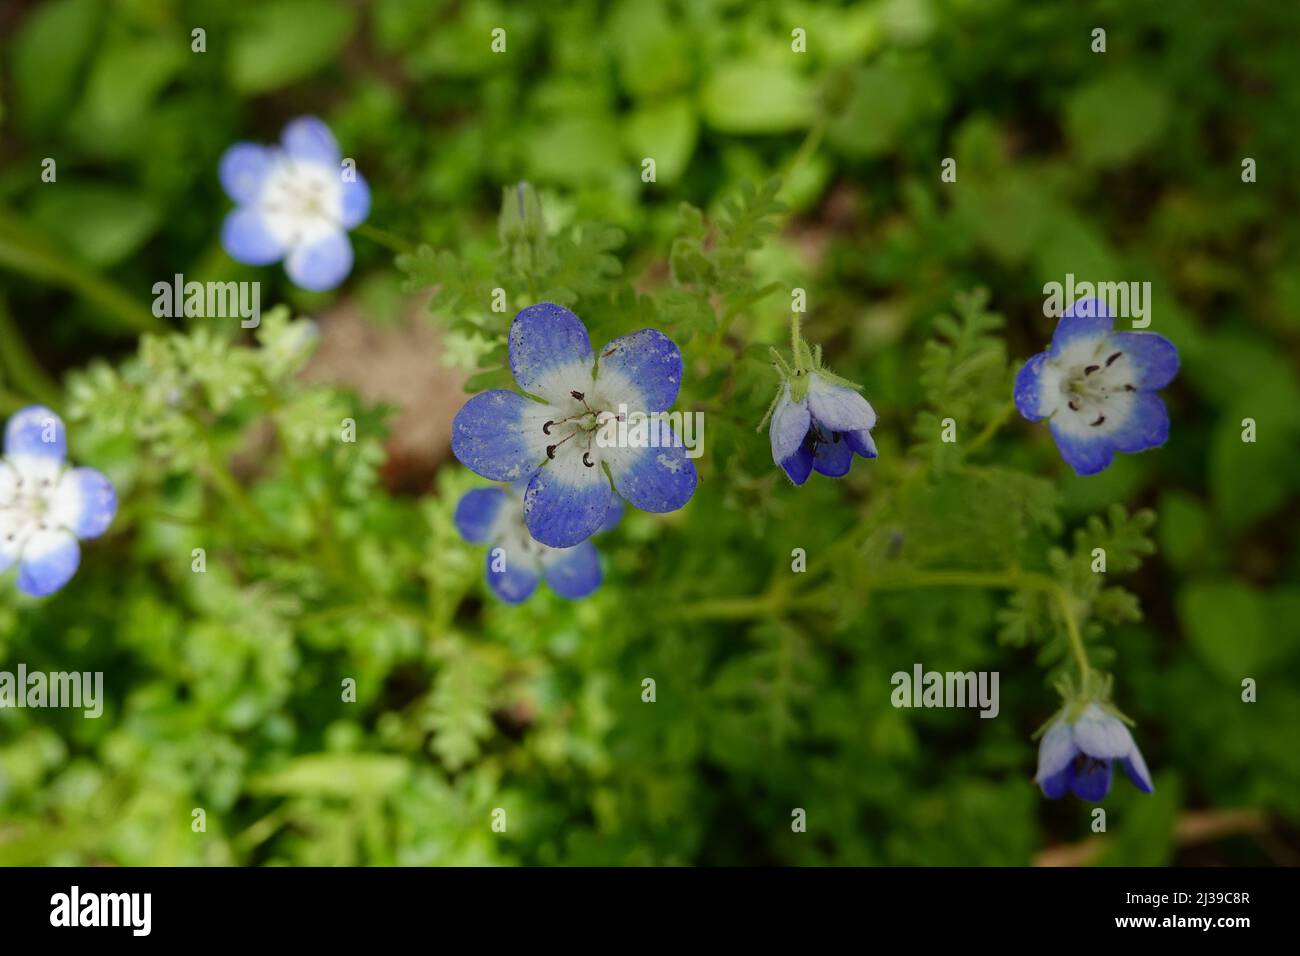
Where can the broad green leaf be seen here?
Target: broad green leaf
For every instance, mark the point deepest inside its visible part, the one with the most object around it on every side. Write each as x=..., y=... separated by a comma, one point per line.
x=1226, y=623
x=287, y=40
x=747, y=96
x=49, y=53
x=333, y=775
x=665, y=132
x=101, y=224
x=1114, y=118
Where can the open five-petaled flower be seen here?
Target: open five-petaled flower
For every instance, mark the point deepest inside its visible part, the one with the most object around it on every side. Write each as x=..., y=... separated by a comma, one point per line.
x=296, y=202
x=1079, y=756
x=550, y=440
x=516, y=561
x=823, y=429
x=1097, y=388
x=44, y=505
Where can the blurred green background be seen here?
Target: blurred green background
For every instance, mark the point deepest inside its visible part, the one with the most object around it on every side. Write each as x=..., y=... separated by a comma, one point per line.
x=223, y=688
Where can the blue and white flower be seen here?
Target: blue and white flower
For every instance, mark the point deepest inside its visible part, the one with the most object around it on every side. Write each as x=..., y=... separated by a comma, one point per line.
x=45, y=506
x=548, y=438
x=1097, y=388
x=818, y=420
x=1079, y=755
x=296, y=202
x=515, y=560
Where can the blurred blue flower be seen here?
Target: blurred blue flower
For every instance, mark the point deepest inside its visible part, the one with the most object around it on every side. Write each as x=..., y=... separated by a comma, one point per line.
x=1097, y=388
x=45, y=507
x=515, y=560
x=551, y=442
x=1079, y=756
x=823, y=429
x=296, y=202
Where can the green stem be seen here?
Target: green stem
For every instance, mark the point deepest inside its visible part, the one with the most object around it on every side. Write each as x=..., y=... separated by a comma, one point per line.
x=776, y=601
x=386, y=239
x=228, y=485
x=26, y=250
x=1003, y=415
x=18, y=360
x=811, y=141
x=10, y=402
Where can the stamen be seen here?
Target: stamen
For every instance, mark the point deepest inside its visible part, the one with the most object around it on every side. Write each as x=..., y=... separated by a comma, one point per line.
x=586, y=459
x=1130, y=388
x=546, y=429
x=1090, y=369
x=1100, y=419
x=1111, y=360
x=1074, y=406
x=550, y=449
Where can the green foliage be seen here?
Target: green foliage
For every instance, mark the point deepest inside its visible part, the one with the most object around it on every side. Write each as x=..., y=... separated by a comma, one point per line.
x=521, y=171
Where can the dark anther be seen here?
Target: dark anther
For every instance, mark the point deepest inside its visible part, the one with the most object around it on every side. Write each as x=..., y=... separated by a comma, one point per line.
x=546, y=429
x=1130, y=388
x=1090, y=369
x=1100, y=419
x=1110, y=360
x=1074, y=406
x=608, y=352
x=578, y=395
x=586, y=459
x=550, y=451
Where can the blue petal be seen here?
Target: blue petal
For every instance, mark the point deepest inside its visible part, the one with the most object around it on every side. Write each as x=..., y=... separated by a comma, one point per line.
x=356, y=202
x=862, y=443
x=1086, y=318
x=572, y=572
x=513, y=584
x=833, y=457
x=1137, y=771
x=84, y=503
x=49, y=561
x=615, y=514
x=1092, y=780
x=245, y=236
x=647, y=363
x=36, y=432
x=1146, y=427
x=789, y=428
x=498, y=434
x=477, y=512
x=1055, y=786
x=1085, y=455
x=550, y=353
x=322, y=265
x=838, y=408
x=243, y=170
x=566, y=502
x=307, y=138
x=1101, y=735
x=657, y=478
x=1055, y=751
x=799, y=465
x=1154, y=358
x=1029, y=387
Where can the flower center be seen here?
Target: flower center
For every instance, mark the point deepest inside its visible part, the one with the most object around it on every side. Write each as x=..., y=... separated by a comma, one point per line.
x=577, y=430
x=1089, y=388
x=26, y=509
x=302, y=201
